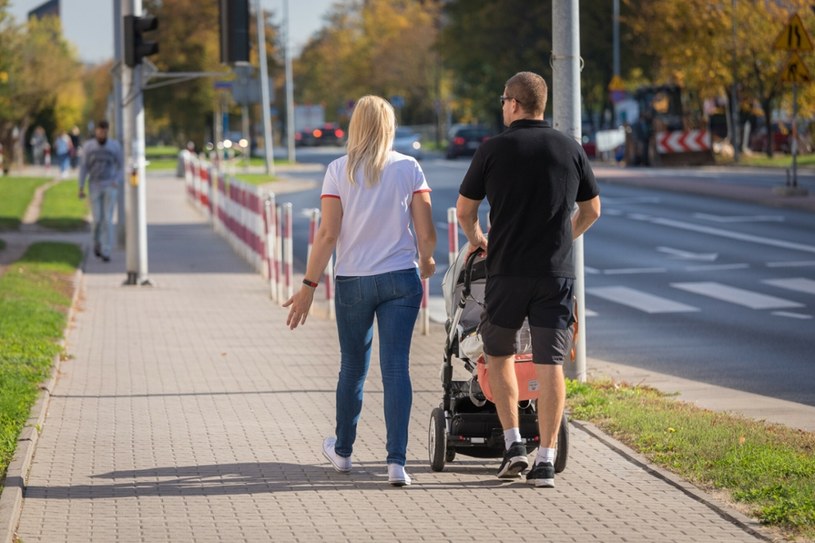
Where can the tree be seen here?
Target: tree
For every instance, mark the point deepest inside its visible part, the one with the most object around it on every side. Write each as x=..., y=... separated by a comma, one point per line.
x=382, y=47
x=38, y=65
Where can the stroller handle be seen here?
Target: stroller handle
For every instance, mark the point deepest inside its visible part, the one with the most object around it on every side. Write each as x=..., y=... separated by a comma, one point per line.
x=468, y=272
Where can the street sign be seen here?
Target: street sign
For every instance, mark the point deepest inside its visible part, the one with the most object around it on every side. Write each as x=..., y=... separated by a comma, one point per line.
x=616, y=84
x=794, y=37
x=795, y=71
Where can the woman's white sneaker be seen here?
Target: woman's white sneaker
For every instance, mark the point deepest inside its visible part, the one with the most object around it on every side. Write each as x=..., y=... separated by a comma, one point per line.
x=340, y=463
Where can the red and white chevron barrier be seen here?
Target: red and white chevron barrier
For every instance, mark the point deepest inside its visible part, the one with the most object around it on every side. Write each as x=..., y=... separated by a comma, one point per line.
x=682, y=141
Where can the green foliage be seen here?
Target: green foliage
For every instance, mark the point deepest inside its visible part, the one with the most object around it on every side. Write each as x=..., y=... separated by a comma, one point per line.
x=61, y=208
x=769, y=467
x=15, y=195
x=35, y=294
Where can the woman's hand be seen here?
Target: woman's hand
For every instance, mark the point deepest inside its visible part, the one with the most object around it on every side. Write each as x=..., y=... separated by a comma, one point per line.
x=427, y=267
x=300, y=304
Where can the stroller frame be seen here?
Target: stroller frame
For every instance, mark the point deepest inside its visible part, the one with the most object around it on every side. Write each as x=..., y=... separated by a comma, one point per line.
x=466, y=422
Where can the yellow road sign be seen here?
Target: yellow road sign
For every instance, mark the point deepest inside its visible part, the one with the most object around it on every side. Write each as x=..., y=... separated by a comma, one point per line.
x=794, y=37
x=795, y=70
x=616, y=84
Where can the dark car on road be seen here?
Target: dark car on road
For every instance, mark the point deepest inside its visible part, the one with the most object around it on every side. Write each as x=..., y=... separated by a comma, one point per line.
x=465, y=140
x=327, y=134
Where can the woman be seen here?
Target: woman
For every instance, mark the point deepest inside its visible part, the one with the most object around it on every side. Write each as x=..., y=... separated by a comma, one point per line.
x=368, y=199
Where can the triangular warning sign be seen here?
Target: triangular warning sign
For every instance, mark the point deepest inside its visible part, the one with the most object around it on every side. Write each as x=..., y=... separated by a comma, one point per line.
x=794, y=37
x=795, y=71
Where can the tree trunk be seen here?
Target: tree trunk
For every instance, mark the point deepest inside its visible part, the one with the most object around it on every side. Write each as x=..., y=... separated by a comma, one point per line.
x=767, y=106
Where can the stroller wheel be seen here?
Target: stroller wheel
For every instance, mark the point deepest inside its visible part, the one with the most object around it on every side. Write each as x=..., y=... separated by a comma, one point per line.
x=437, y=440
x=450, y=455
x=562, y=444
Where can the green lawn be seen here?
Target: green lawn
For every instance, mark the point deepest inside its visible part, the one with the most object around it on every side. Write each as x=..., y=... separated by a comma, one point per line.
x=61, y=208
x=779, y=160
x=156, y=164
x=35, y=295
x=161, y=151
x=770, y=468
x=255, y=178
x=15, y=195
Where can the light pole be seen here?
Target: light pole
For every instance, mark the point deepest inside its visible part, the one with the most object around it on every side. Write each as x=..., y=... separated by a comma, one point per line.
x=289, y=85
x=264, y=90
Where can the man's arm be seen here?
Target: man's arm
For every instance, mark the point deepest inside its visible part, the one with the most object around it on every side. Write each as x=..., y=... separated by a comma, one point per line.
x=587, y=212
x=467, y=213
x=83, y=172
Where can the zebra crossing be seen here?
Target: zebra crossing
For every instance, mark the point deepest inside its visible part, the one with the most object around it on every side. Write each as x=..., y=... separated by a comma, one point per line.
x=774, y=295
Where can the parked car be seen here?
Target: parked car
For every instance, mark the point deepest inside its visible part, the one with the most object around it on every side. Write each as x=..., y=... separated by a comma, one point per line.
x=327, y=134
x=466, y=139
x=590, y=144
x=782, y=140
x=408, y=142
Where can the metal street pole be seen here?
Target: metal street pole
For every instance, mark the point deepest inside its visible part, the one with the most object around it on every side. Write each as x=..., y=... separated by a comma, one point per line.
x=264, y=90
x=734, y=99
x=566, y=106
x=289, y=86
x=129, y=189
x=118, y=121
x=137, y=190
x=616, y=37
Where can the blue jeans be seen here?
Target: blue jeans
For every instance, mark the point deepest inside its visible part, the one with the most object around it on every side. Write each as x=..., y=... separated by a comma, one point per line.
x=394, y=299
x=103, y=202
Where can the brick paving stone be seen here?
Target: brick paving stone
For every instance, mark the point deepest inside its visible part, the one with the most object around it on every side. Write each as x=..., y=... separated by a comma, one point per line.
x=188, y=412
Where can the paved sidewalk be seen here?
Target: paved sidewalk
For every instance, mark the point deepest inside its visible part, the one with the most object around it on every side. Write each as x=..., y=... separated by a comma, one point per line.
x=188, y=412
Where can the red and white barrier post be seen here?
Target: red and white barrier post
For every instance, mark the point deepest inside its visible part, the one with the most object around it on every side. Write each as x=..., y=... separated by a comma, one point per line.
x=452, y=235
x=270, y=219
x=279, y=252
x=288, y=255
x=313, y=224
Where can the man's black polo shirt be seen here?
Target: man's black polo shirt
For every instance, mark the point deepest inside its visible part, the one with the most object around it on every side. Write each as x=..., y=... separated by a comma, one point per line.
x=531, y=175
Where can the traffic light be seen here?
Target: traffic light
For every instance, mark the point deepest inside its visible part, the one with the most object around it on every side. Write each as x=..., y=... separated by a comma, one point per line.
x=136, y=47
x=234, y=25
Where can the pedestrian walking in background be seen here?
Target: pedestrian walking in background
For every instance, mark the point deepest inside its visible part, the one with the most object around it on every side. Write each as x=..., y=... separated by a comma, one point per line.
x=63, y=149
x=369, y=198
x=532, y=176
x=75, y=146
x=102, y=166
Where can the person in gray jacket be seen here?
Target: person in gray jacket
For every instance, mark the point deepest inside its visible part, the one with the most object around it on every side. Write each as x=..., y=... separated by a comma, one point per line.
x=102, y=166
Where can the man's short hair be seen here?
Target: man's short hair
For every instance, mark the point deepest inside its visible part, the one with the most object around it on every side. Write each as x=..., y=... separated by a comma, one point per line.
x=103, y=124
x=530, y=90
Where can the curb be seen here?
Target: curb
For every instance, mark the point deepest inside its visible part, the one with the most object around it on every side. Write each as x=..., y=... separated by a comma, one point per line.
x=749, y=525
x=11, y=498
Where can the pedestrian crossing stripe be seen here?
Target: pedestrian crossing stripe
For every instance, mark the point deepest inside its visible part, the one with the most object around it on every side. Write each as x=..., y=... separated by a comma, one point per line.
x=739, y=296
x=636, y=299
x=799, y=284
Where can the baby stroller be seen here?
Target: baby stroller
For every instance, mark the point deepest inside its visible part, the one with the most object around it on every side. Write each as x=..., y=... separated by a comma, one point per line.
x=466, y=422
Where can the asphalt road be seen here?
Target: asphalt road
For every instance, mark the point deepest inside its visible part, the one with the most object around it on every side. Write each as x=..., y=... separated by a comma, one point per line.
x=703, y=288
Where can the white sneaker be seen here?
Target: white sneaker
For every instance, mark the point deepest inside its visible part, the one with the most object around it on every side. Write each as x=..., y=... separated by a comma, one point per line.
x=340, y=463
x=397, y=475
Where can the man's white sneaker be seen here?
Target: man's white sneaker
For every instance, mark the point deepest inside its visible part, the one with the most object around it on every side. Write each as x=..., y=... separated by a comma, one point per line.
x=340, y=463
x=397, y=475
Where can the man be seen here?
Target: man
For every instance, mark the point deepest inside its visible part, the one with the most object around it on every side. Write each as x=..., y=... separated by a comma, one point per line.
x=532, y=176
x=102, y=164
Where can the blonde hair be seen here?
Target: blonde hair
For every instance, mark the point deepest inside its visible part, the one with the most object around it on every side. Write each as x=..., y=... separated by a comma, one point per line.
x=370, y=137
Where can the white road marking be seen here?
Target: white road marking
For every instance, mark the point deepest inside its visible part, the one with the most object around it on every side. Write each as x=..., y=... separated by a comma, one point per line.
x=716, y=267
x=590, y=313
x=795, y=264
x=800, y=284
x=792, y=315
x=589, y=269
x=734, y=235
x=746, y=298
x=640, y=300
x=745, y=218
x=630, y=271
x=687, y=255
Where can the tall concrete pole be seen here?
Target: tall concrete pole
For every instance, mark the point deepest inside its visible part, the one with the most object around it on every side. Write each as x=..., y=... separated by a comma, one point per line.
x=264, y=90
x=616, y=37
x=129, y=188
x=118, y=120
x=734, y=98
x=289, y=87
x=137, y=190
x=566, y=105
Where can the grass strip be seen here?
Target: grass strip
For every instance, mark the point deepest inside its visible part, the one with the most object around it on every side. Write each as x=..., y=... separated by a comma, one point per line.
x=61, y=209
x=15, y=195
x=35, y=295
x=769, y=468
x=255, y=178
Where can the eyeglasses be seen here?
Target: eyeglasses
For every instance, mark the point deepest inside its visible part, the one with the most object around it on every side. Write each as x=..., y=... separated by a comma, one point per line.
x=505, y=98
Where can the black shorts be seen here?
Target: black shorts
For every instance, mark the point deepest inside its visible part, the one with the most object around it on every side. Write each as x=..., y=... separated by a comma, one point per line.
x=546, y=301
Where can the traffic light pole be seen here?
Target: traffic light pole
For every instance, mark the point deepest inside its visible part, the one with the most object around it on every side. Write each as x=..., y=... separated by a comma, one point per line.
x=566, y=106
x=133, y=114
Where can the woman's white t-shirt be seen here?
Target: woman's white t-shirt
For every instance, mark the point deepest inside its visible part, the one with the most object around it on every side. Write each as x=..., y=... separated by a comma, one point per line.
x=375, y=234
